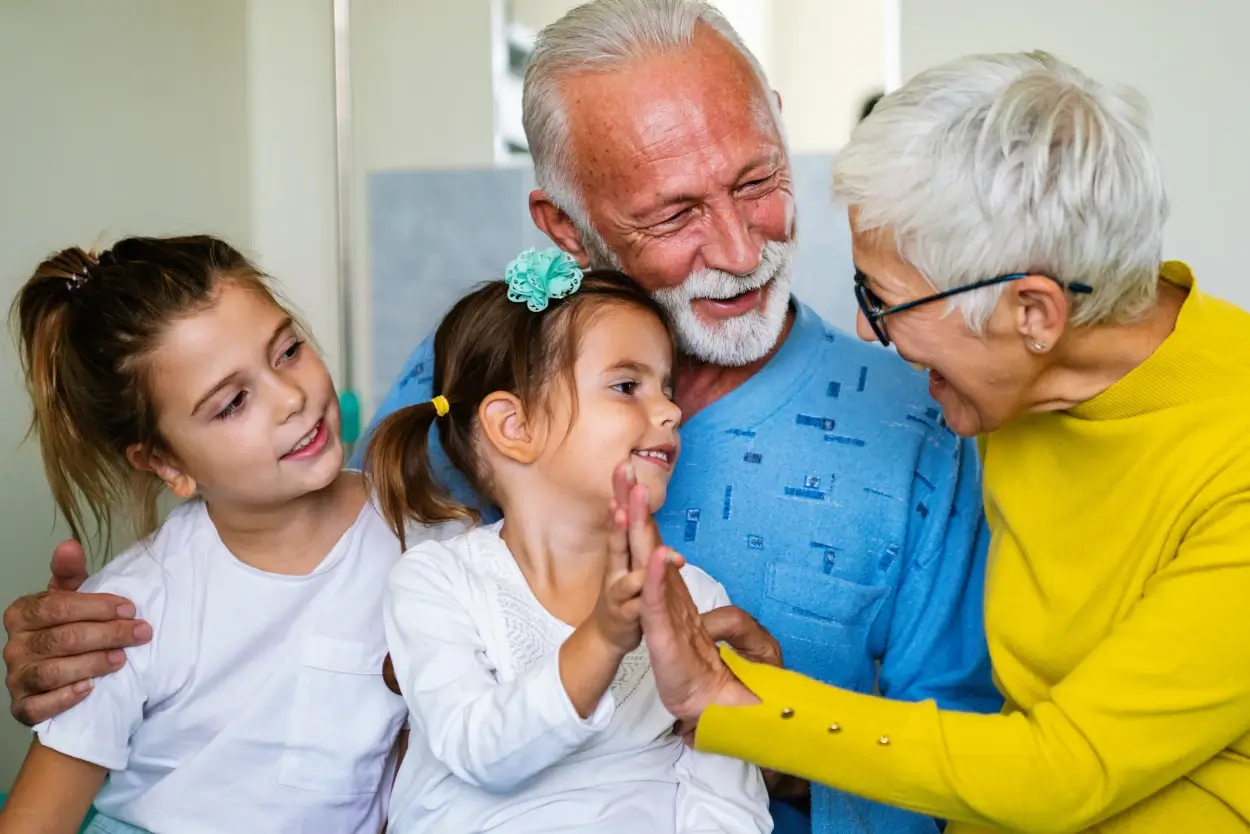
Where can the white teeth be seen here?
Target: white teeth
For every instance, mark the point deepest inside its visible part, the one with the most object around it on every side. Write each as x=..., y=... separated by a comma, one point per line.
x=650, y=454
x=308, y=438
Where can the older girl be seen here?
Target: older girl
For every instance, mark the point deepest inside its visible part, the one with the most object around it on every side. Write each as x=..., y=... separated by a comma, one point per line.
x=259, y=705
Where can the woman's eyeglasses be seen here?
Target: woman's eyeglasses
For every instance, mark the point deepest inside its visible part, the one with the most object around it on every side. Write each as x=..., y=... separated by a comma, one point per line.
x=875, y=310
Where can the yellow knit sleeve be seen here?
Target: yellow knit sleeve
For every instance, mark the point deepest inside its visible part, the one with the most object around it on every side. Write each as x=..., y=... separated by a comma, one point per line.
x=1164, y=693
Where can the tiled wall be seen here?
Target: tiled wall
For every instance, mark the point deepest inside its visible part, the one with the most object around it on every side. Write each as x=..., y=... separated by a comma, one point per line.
x=434, y=234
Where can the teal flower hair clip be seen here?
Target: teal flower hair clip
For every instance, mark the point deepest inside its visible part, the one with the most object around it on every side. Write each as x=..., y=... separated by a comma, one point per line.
x=537, y=277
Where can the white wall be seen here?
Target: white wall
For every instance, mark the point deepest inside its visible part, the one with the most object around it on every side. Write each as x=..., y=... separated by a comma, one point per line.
x=535, y=14
x=129, y=117
x=825, y=57
x=1188, y=58
x=291, y=132
x=828, y=58
x=421, y=98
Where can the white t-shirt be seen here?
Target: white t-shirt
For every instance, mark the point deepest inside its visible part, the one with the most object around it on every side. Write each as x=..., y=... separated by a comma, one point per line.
x=259, y=704
x=496, y=745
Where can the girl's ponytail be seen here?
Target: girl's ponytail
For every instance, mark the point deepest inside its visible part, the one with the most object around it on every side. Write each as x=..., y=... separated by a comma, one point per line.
x=87, y=327
x=397, y=465
x=80, y=470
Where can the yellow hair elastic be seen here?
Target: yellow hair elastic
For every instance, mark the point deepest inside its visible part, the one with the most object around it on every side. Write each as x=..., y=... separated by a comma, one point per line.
x=441, y=406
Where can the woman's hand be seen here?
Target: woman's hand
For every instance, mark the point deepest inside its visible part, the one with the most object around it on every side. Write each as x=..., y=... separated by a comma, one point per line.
x=689, y=672
x=730, y=624
x=688, y=669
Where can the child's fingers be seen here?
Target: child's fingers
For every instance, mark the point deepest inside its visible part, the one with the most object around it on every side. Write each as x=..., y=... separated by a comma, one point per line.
x=623, y=479
x=629, y=611
x=628, y=586
x=643, y=535
x=618, y=544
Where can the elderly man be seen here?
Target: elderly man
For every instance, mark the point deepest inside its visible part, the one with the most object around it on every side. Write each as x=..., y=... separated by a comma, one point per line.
x=817, y=483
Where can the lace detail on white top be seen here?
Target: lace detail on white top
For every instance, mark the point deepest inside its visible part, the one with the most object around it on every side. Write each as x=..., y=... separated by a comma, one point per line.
x=532, y=632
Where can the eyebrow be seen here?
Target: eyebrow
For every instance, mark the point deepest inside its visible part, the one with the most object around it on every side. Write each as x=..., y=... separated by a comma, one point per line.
x=639, y=368
x=772, y=159
x=285, y=325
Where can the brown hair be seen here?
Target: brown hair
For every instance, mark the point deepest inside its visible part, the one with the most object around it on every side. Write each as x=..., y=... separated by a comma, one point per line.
x=86, y=323
x=487, y=343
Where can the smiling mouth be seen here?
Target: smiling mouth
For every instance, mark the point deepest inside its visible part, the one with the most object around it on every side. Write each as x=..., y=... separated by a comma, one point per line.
x=307, y=440
x=658, y=455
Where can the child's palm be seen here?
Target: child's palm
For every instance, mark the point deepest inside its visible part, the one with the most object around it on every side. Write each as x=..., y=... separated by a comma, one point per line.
x=617, y=609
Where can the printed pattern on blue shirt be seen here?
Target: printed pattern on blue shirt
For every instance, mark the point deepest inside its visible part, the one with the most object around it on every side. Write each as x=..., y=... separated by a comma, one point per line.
x=830, y=499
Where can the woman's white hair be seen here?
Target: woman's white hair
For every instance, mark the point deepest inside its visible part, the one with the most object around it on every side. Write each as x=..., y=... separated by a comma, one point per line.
x=602, y=36
x=994, y=164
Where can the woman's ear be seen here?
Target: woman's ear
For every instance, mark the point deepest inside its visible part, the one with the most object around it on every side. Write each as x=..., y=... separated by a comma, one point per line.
x=1041, y=312
x=164, y=467
x=507, y=428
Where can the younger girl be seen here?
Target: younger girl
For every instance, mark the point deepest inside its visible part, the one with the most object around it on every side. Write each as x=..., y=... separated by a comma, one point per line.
x=516, y=645
x=259, y=704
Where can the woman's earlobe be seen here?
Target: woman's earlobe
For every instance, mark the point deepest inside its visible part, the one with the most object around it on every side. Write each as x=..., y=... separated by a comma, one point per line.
x=1041, y=312
x=506, y=427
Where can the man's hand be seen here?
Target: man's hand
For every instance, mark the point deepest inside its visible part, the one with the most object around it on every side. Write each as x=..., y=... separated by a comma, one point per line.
x=730, y=624
x=58, y=640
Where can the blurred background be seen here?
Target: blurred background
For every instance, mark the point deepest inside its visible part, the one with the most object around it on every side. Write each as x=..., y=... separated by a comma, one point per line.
x=369, y=154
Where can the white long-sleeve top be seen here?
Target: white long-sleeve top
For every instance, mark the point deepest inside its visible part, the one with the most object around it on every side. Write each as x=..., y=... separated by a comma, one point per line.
x=496, y=745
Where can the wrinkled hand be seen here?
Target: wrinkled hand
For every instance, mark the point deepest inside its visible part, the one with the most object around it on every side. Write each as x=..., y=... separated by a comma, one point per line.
x=689, y=672
x=58, y=640
x=730, y=624
x=688, y=669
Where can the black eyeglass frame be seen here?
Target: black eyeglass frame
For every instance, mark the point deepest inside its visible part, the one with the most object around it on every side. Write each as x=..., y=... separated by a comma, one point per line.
x=874, y=310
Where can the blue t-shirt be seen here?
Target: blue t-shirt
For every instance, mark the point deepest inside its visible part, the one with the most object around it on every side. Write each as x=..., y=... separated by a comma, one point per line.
x=830, y=499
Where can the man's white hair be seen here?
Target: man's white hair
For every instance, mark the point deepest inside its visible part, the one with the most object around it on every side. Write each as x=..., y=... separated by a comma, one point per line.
x=994, y=164
x=601, y=36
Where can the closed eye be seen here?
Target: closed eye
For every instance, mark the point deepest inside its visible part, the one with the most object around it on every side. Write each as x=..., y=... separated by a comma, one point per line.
x=292, y=351
x=757, y=184
x=674, y=219
x=232, y=407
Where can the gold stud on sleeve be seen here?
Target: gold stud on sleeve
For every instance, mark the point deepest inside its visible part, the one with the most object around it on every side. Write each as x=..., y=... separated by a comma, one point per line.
x=835, y=728
x=884, y=741
x=787, y=713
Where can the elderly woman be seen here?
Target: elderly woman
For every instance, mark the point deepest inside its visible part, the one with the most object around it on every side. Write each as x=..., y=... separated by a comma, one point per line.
x=1007, y=215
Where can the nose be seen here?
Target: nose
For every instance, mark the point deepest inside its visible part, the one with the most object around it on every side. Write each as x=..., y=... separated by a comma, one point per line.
x=666, y=414
x=290, y=397
x=733, y=248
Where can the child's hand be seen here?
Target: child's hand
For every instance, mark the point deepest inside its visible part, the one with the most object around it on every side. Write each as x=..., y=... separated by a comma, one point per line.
x=616, y=613
x=631, y=541
x=591, y=656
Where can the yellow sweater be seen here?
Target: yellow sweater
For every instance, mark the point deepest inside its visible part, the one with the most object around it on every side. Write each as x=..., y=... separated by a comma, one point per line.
x=1117, y=612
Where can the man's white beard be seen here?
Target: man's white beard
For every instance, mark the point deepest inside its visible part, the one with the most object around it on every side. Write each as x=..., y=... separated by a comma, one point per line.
x=743, y=339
